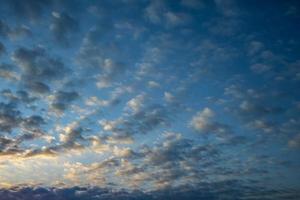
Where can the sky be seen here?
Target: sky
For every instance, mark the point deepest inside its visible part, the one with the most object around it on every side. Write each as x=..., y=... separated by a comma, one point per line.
x=149, y=99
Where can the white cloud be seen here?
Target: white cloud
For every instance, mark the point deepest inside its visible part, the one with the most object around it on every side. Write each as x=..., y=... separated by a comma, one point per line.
x=136, y=103
x=168, y=97
x=201, y=121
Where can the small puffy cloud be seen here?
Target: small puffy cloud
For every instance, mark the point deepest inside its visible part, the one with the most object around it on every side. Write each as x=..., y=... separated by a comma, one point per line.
x=62, y=99
x=19, y=96
x=260, y=68
x=153, y=84
x=255, y=47
x=95, y=101
x=295, y=142
x=201, y=121
x=136, y=103
x=37, y=67
x=111, y=70
x=168, y=97
x=122, y=152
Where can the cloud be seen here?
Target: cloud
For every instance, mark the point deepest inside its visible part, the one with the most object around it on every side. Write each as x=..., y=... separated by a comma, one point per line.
x=62, y=99
x=202, y=122
x=136, y=103
x=63, y=26
x=8, y=72
x=193, y=4
x=2, y=49
x=38, y=87
x=260, y=68
x=232, y=189
x=157, y=12
x=19, y=32
x=16, y=33
x=10, y=117
x=294, y=142
x=102, y=58
x=30, y=9
x=168, y=97
x=255, y=47
x=20, y=96
x=4, y=29
x=36, y=67
x=111, y=70
x=227, y=8
x=153, y=84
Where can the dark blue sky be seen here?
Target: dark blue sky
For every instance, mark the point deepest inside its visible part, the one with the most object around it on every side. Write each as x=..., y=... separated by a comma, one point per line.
x=149, y=99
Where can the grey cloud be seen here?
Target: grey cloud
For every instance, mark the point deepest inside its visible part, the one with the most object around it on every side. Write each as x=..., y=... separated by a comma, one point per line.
x=102, y=57
x=258, y=111
x=33, y=121
x=28, y=9
x=37, y=67
x=11, y=146
x=20, y=96
x=10, y=117
x=14, y=33
x=5, y=142
x=208, y=191
x=294, y=142
x=255, y=47
x=141, y=122
x=8, y=71
x=19, y=32
x=62, y=99
x=70, y=139
x=227, y=8
x=38, y=87
x=4, y=29
x=193, y=4
x=224, y=27
x=36, y=64
x=63, y=26
x=2, y=49
x=157, y=12
x=111, y=70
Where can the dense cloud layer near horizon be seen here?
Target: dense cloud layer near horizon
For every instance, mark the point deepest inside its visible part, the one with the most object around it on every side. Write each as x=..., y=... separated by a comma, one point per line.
x=152, y=99
x=230, y=190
